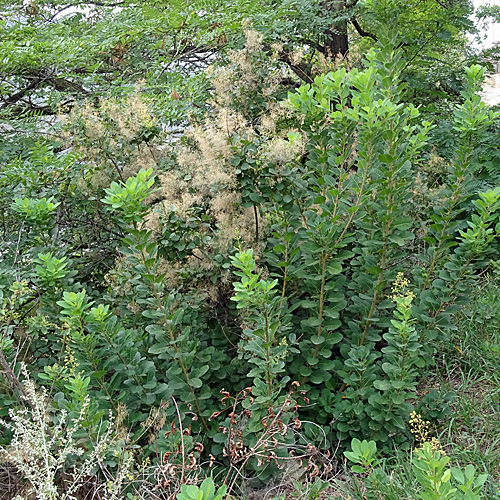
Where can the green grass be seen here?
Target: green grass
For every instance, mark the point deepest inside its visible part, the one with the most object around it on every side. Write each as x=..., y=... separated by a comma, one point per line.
x=470, y=369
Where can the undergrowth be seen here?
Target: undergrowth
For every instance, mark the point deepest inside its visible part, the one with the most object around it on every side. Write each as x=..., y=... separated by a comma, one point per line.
x=253, y=300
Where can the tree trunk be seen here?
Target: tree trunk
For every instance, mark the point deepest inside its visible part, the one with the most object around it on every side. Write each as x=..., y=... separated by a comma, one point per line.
x=336, y=38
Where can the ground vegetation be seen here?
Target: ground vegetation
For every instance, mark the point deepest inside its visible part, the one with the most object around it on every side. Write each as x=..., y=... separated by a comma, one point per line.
x=247, y=245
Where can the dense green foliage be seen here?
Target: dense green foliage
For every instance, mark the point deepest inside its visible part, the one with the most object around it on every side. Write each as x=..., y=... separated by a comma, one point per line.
x=234, y=232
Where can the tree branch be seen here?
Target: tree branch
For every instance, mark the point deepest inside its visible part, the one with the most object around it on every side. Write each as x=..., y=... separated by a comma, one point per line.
x=361, y=31
x=302, y=70
x=19, y=95
x=442, y=4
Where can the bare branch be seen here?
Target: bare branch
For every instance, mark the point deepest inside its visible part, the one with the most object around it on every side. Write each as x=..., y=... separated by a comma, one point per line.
x=361, y=31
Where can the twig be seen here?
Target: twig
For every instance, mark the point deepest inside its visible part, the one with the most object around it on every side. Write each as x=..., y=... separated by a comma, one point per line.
x=16, y=253
x=256, y=215
x=182, y=441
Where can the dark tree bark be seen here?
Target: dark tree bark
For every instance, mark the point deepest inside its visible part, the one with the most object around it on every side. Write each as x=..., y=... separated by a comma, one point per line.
x=336, y=43
x=333, y=43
